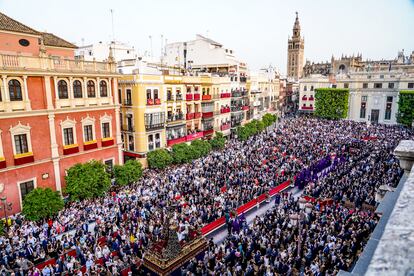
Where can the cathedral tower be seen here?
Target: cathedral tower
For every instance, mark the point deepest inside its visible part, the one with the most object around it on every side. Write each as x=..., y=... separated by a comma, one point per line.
x=296, y=47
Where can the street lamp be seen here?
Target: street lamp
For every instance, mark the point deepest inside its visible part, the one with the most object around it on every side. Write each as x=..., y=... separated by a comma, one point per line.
x=6, y=206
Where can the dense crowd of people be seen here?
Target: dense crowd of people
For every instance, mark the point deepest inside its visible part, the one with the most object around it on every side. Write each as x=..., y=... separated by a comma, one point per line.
x=209, y=188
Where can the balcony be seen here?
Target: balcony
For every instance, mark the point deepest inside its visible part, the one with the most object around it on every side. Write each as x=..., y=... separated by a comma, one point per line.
x=207, y=115
x=191, y=137
x=236, y=108
x=128, y=102
x=179, y=97
x=197, y=115
x=54, y=64
x=206, y=97
x=245, y=107
x=23, y=158
x=208, y=132
x=174, y=141
x=89, y=145
x=196, y=97
x=70, y=149
x=189, y=97
x=225, y=110
x=225, y=126
x=189, y=116
x=153, y=101
x=128, y=128
x=307, y=107
x=175, y=117
x=311, y=98
x=2, y=163
x=154, y=126
x=106, y=142
x=304, y=98
x=225, y=95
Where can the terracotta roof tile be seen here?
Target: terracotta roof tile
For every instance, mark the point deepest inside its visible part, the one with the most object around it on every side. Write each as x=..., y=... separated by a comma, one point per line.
x=53, y=40
x=11, y=25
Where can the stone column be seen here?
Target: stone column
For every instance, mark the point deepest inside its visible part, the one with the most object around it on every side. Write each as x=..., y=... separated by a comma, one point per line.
x=405, y=153
x=48, y=93
x=85, y=91
x=71, y=96
x=57, y=92
x=111, y=98
x=26, y=94
x=55, y=152
x=98, y=93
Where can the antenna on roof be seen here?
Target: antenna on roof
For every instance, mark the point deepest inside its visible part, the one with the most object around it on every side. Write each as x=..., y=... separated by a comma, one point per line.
x=150, y=37
x=113, y=31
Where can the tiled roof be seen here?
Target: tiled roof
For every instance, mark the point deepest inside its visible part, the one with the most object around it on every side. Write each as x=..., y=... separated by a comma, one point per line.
x=52, y=40
x=11, y=25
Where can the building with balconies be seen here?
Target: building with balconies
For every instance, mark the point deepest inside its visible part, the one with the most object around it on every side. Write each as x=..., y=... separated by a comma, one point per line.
x=56, y=110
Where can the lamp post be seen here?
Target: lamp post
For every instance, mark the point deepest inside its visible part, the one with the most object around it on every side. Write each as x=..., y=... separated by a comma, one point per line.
x=6, y=206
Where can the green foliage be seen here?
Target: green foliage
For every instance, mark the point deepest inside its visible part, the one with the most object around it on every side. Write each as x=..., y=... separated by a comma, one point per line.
x=405, y=113
x=42, y=203
x=268, y=119
x=218, y=142
x=331, y=103
x=130, y=172
x=159, y=159
x=200, y=148
x=87, y=180
x=183, y=153
x=2, y=227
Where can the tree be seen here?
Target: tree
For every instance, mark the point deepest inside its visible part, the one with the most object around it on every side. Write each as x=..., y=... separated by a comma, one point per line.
x=42, y=203
x=243, y=133
x=183, y=153
x=159, y=159
x=268, y=119
x=200, y=147
x=218, y=142
x=87, y=180
x=331, y=103
x=405, y=113
x=130, y=172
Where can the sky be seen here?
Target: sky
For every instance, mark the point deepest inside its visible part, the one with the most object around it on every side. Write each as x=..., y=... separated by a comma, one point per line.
x=257, y=30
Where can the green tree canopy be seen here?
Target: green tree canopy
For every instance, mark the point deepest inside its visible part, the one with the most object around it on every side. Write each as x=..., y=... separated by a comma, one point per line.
x=218, y=142
x=87, y=180
x=130, y=172
x=269, y=119
x=42, y=203
x=183, y=153
x=159, y=159
x=200, y=148
x=405, y=113
x=331, y=103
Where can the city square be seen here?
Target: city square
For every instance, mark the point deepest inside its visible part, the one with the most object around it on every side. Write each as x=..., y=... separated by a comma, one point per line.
x=133, y=154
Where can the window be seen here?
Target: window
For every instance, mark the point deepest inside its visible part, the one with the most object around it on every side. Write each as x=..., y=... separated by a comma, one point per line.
x=20, y=143
x=131, y=142
x=149, y=94
x=15, y=90
x=381, y=76
x=411, y=85
x=109, y=164
x=334, y=85
x=346, y=85
x=119, y=96
x=103, y=88
x=88, y=133
x=106, y=130
x=364, y=98
x=362, y=111
x=388, y=107
x=90, y=86
x=378, y=85
x=63, y=89
x=150, y=142
x=365, y=85
x=311, y=89
x=25, y=188
x=155, y=93
x=24, y=42
x=157, y=140
x=305, y=88
x=77, y=89
x=68, y=136
x=391, y=85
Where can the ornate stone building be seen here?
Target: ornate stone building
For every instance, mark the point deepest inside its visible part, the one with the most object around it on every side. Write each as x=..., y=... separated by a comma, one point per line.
x=296, y=47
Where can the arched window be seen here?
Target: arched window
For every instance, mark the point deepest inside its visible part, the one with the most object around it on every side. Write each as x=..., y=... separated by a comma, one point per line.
x=63, y=89
x=15, y=90
x=91, y=89
x=77, y=89
x=104, y=89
